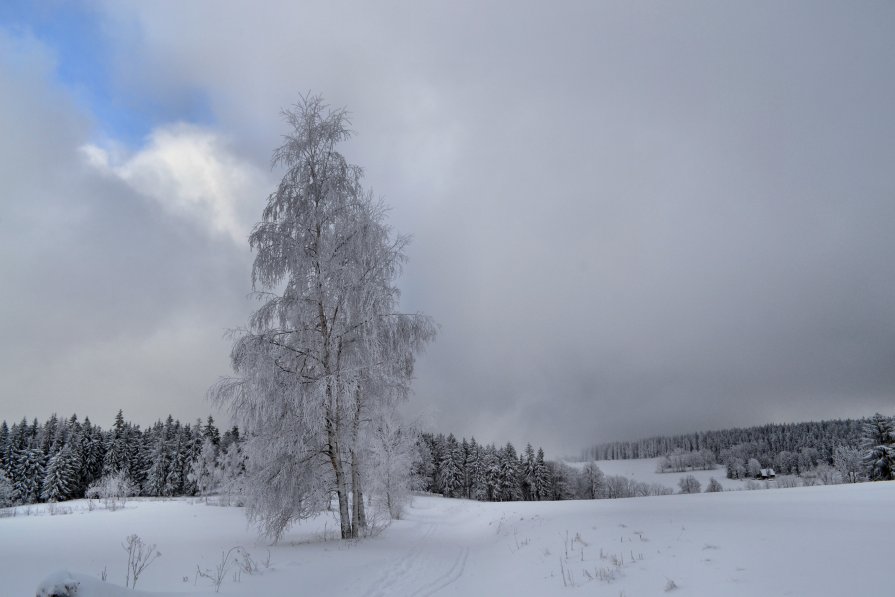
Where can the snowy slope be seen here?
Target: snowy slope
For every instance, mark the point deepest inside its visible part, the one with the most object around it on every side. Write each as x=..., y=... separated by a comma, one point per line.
x=820, y=541
x=644, y=470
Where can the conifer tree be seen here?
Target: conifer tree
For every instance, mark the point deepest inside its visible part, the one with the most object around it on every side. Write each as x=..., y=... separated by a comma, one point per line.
x=204, y=470
x=61, y=477
x=879, y=448
x=116, y=451
x=211, y=433
x=508, y=481
x=542, y=477
x=529, y=486
x=473, y=467
x=92, y=453
x=4, y=447
x=492, y=472
x=28, y=476
x=451, y=471
x=7, y=493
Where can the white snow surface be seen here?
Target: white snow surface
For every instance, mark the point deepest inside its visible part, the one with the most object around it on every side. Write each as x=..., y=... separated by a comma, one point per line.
x=72, y=584
x=644, y=470
x=818, y=541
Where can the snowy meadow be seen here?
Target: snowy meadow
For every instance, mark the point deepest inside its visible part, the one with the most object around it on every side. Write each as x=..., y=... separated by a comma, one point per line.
x=822, y=541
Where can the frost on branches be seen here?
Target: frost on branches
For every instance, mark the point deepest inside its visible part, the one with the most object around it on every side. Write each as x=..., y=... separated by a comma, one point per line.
x=326, y=354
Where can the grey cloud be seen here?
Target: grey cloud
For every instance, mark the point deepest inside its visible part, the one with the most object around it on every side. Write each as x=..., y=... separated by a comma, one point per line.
x=629, y=220
x=107, y=302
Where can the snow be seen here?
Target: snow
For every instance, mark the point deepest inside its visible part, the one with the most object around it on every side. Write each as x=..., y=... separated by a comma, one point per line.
x=69, y=584
x=819, y=541
x=644, y=470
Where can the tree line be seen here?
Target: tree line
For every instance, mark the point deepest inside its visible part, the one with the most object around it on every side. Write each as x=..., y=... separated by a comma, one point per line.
x=61, y=459
x=765, y=441
x=855, y=449
x=486, y=472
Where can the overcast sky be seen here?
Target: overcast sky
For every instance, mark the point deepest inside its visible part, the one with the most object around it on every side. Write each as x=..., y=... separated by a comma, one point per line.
x=628, y=218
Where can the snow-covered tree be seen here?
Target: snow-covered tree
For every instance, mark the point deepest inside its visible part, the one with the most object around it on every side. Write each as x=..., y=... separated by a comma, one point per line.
x=116, y=451
x=786, y=462
x=7, y=492
x=451, y=470
x=160, y=457
x=543, y=482
x=28, y=476
x=326, y=342
x=509, y=487
x=92, y=451
x=879, y=448
x=563, y=481
x=424, y=466
x=592, y=482
x=850, y=463
x=203, y=471
x=113, y=489
x=527, y=473
x=753, y=467
x=230, y=472
x=491, y=473
x=180, y=452
x=473, y=482
x=713, y=486
x=4, y=447
x=808, y=458
x=689, y=484
x=393, y=450
x=61, y=477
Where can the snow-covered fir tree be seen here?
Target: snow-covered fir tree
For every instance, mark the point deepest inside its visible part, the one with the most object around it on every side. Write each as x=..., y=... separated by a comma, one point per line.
x=77, y=457
x=451, y=469
x=204, y=474
x=28, y=475
x=879, y=448
x=543, y=481
x=117, y=454
x=61, y=477
x=509, y=486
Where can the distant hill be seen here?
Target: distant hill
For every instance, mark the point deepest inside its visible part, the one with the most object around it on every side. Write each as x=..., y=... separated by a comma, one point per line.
x=823, y=436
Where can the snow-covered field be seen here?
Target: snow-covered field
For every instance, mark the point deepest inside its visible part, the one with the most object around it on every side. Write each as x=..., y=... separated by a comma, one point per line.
x=830, y=540
x=644, y=470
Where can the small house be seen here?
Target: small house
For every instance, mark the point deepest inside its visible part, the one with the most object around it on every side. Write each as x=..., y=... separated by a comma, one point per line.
x=767, y=473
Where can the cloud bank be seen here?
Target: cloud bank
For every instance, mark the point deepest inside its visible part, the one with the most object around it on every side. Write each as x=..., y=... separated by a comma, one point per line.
x=628, y=220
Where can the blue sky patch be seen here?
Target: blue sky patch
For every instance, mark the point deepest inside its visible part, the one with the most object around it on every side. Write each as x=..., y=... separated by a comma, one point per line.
x=74, y=32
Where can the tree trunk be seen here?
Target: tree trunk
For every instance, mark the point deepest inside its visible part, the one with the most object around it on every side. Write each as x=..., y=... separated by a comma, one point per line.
x=341, y=490
x=335, y=459
x=359, y=517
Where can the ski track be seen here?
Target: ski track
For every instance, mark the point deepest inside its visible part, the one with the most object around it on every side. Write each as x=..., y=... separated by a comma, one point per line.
x=448, y=578
x=423, y=570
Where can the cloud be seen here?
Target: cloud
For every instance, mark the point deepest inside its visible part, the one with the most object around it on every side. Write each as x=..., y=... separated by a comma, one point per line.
x=109, y=300
x=628, y=220
x=191, y=173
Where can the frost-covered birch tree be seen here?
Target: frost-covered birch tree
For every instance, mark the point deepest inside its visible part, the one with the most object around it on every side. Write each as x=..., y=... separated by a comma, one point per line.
x=326, y=347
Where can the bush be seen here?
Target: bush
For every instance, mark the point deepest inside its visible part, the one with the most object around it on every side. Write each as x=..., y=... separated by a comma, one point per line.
x=714, y=486
x=6, y=492
x=787, y=481
x=113, y=490
x=689, y=484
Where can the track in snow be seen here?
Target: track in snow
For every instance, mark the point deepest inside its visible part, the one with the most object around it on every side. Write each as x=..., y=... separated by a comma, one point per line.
x=435, y=560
